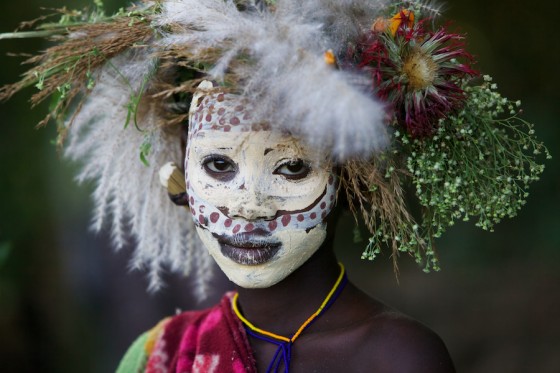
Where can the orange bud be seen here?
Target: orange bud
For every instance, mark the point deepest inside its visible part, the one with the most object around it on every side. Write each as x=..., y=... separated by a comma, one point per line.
x=404, y=15
x=330, y=58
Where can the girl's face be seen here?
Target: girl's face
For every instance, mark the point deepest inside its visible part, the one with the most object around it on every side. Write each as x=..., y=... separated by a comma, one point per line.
x=259, y=200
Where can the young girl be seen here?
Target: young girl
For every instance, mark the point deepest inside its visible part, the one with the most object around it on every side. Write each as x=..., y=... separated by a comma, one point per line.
x=264, y=206
x=288, y=112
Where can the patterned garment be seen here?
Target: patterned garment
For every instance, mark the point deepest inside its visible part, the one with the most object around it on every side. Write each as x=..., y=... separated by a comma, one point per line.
x=209, y=341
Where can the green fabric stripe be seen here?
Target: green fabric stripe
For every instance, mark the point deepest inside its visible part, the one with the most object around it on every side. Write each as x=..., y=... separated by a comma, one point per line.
x=135, y=359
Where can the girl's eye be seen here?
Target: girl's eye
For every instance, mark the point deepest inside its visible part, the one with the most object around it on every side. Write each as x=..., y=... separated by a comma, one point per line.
x=219, y=167
x=293, y=170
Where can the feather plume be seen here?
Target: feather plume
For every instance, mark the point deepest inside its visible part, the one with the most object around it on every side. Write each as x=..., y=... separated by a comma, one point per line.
x=128, y=193
x=277, y=58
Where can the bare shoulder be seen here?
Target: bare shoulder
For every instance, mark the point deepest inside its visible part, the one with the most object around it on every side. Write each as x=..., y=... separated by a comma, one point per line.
x=386, y=340
x=397, y=343
x=362, y=334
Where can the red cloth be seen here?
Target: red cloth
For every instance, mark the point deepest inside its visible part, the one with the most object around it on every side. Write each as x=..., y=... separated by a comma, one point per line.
x=209, y=341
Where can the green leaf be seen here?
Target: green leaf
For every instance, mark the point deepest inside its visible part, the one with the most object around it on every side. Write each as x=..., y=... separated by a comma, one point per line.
x=145, y=150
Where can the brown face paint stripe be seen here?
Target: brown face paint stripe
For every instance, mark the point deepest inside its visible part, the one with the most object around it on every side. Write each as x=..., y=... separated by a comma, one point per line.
x=282, y=213
x=224, y=210
x=308, y=208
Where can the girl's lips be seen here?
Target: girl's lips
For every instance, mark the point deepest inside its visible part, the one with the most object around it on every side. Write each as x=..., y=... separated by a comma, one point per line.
x=249, y=248
x=249, y=256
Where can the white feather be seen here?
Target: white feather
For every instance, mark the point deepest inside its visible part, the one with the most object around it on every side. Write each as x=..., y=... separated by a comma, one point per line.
x=128, y=193
x=288, y=80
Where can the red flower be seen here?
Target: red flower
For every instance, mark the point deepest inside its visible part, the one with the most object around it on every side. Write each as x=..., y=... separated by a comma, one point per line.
x=418, y=72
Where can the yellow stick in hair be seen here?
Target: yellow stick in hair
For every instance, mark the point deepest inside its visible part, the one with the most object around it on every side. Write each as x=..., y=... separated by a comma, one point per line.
x=171, y=177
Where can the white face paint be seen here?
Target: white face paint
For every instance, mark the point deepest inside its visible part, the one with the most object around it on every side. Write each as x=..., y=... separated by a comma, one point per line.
x=258, y=199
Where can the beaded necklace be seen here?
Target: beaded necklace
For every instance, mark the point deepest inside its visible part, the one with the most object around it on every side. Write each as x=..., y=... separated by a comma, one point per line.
x=284, y=352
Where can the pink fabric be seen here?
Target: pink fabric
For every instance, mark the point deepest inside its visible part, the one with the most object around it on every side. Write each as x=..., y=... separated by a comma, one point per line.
x=209, y=341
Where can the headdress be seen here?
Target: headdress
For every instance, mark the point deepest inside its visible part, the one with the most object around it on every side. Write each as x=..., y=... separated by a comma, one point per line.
x=388, y=93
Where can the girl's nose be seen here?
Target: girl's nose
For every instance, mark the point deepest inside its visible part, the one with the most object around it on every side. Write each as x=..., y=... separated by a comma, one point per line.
x=252, y=204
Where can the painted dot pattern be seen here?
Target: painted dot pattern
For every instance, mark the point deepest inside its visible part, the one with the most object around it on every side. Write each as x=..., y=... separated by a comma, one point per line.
x=224, y=112
x=220, y=223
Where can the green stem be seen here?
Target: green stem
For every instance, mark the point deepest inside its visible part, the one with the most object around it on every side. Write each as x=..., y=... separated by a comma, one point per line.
x=30, y=34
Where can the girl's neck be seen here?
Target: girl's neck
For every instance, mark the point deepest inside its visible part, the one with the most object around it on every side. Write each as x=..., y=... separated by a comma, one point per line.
x=283, y=307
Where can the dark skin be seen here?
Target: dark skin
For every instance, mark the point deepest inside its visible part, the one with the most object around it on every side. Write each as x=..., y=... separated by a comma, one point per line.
x=357, y=334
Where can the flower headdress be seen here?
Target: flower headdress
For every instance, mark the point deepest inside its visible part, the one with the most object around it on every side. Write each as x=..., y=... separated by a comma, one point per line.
x=392, y=97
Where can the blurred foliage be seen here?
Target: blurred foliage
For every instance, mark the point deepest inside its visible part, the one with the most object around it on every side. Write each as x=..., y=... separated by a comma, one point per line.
x=50, y=323
x=513, y=47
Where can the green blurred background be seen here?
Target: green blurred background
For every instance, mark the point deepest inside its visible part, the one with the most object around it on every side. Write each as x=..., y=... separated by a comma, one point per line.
x=68, y=303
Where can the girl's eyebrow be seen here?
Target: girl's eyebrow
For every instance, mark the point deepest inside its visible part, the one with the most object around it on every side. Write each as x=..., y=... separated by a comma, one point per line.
x=205, y=147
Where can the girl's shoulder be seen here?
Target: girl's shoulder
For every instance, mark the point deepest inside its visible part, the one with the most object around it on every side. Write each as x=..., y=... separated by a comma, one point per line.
x=407, y=344
x=381, y=339
x=394, y=342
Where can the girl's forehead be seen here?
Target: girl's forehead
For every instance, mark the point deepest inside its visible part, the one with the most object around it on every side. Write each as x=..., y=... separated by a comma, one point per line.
x=264, y=141
x=222, y=112
x=224, y=121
